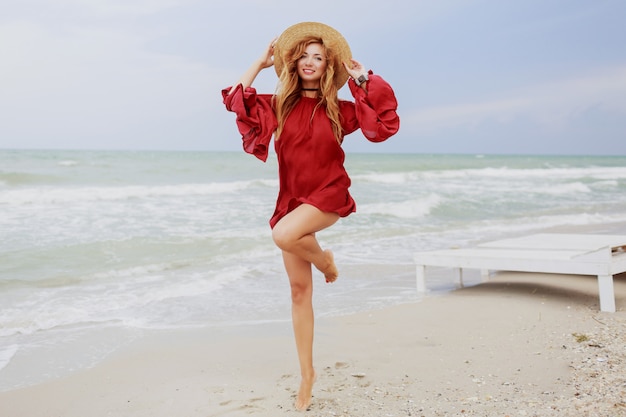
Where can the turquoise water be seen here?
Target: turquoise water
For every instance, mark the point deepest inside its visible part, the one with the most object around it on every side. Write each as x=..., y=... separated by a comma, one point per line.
x=107, y=242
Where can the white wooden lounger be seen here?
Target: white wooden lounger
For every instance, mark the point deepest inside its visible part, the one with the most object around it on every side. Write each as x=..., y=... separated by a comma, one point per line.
x=580, y=254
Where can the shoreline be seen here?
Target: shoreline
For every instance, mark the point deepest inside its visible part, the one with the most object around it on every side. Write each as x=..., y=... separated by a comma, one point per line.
x=506, y=347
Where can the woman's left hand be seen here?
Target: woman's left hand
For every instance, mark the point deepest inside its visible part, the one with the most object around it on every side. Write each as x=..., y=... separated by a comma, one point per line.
x=355, y=68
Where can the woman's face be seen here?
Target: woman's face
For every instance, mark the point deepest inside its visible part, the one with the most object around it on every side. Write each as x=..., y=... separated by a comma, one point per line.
x=311, y=65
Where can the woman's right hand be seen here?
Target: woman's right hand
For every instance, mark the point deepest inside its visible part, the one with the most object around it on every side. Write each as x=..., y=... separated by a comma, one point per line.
x=266, y=60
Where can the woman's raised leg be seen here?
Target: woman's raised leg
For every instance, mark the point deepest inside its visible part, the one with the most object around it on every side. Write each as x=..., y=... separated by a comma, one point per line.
x=295, y=233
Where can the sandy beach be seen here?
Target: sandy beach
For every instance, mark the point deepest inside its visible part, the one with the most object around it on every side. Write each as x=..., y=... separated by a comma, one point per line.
x=519, y=345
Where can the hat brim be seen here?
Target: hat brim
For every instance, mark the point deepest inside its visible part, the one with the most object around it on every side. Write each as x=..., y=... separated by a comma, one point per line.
x=331, y=38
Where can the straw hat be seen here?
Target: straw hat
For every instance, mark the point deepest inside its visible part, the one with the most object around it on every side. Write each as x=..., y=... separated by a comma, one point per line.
x=331, y=38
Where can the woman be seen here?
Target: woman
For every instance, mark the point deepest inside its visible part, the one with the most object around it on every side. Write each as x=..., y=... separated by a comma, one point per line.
x=308, y=122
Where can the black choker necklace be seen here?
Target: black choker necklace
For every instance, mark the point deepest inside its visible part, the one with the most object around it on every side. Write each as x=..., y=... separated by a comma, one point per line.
x=310, y=89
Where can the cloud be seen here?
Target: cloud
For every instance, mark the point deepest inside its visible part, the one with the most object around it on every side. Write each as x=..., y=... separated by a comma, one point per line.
x=551, y=105
x=96, y=83
x=110, y=8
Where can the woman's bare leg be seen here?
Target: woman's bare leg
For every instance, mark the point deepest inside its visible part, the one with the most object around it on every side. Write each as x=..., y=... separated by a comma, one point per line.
x=301, y=282
x=295, y=233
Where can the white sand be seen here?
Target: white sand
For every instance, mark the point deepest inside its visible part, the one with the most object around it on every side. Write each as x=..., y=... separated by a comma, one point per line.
x=520, y=345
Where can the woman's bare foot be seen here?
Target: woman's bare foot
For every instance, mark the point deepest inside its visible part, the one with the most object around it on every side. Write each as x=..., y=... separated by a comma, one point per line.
x=303, y=400
x=330, y=273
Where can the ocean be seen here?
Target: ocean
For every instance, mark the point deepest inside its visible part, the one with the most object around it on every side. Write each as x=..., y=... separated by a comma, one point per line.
x=99, y=247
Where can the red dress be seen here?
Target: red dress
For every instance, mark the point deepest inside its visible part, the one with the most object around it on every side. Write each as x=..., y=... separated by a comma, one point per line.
x=310, y=160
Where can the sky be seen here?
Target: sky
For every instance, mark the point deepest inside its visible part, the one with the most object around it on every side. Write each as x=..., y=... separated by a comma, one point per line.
x=470, y=76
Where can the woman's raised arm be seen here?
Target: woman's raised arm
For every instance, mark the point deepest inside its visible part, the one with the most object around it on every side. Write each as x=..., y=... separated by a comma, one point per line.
x=266, y=60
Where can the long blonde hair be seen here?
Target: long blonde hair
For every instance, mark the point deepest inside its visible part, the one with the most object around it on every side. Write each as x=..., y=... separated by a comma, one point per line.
x=289, y=89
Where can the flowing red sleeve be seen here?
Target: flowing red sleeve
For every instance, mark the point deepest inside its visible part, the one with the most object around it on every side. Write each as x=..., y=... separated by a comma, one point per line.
x=255, y=118
x=376, y=108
